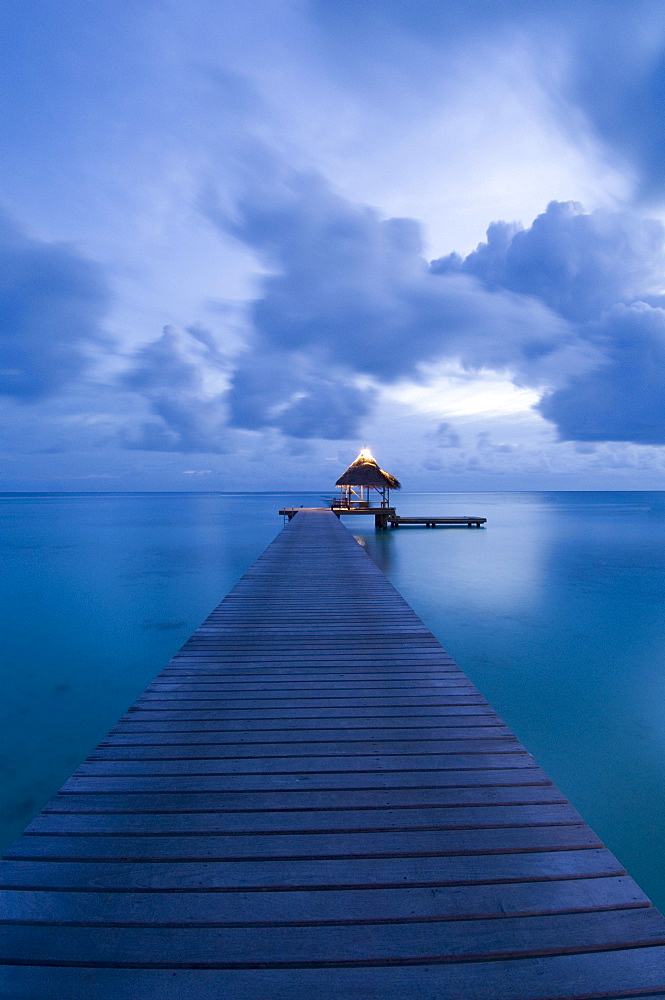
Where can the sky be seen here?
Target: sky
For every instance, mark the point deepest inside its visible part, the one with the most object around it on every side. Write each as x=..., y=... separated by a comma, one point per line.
x=242, y=239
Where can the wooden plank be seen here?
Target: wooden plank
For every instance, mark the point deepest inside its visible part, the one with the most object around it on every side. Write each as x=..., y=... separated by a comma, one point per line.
x=425, y=663
x=169, y=737
x=252, y=661
x=203, y=676
x=296, y=780
x=184, y=701
x=341, y=844
x=367, y=712
x=410, y=763
x=292, y=687
x=215, y=876
x=217, y=681
x=606, y=974
x=337, y=946
x=272, y=701
x=238, y=727
x=322, y=820
x=294, y=638
x=322, y=907
x=304, y=748
x=310, y=799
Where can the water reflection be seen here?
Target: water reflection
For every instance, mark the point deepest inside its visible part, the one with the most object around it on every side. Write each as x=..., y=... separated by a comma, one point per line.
x=379, y=546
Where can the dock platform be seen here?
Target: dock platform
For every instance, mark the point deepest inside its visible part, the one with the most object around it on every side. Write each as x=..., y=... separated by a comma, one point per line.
x=313, y=801
x=432, y=522
x=384, y=516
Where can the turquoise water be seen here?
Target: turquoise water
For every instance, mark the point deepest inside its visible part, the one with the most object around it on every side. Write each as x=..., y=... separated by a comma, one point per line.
x=555, y=610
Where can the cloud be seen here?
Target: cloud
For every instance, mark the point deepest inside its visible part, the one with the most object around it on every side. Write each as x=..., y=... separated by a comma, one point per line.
x=52, y=303
x=347, y=303
x=446, y=437
x=182, y=378
x=485, y=444
x=350, y=303
x=572, y=305
x=578, y=264
x=602, y=64
x=624, y=399
x=603, y=272
x=292, y=393
x=618, y=81
x=351, y=294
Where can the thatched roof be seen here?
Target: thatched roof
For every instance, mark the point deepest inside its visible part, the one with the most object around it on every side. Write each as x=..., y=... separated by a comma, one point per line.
x=365, y=472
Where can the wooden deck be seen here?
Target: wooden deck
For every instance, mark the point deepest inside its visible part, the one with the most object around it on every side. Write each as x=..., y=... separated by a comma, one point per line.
x=312, y=802
x=384, y=516
x=432, y=522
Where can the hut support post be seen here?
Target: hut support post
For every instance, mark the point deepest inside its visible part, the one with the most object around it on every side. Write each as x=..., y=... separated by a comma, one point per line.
x=381, y=520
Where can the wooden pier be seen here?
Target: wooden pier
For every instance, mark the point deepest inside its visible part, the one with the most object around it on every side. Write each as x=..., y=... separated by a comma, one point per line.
x=432, y=522
x=384, y=516
x=381, y=515
x=312, y=802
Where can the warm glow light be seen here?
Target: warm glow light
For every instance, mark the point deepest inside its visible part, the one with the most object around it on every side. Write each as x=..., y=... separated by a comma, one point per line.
x=367, y=455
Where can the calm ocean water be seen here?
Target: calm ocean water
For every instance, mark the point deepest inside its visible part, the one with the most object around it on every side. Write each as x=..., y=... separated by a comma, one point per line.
x=555, y=611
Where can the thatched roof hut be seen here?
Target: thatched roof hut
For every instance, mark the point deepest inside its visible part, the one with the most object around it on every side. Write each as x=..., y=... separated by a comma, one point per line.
x=362, y=476
x=366, y=472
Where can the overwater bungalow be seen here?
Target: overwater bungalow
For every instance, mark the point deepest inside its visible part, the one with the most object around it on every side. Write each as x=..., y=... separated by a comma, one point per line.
x=364, y=488
x=364, y=485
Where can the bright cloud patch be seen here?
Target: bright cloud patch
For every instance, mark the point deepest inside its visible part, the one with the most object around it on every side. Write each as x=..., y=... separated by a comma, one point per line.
x=450, y=391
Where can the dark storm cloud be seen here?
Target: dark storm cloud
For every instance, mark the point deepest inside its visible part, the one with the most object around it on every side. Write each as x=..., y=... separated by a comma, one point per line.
x=52, y=302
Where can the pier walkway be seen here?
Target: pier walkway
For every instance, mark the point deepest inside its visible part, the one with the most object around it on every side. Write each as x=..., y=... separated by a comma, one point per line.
x=312, y=802
x=384, y=516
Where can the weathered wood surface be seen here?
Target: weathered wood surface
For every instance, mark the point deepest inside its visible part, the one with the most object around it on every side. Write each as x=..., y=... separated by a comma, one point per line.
x=312, y=800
